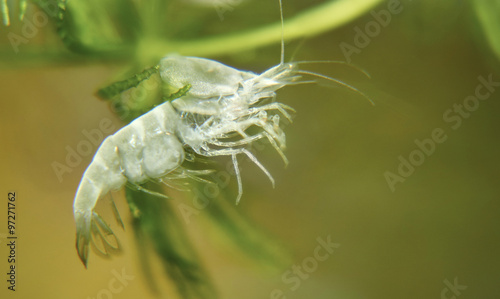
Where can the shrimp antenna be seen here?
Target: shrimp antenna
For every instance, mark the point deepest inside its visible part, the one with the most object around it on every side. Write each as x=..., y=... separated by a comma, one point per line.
x=296, y=50
x=338, y=82
x=337, y=62
x=282, y=34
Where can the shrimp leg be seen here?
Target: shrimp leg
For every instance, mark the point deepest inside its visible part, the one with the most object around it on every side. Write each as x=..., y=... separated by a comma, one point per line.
x=274, y=106
x=250, y=139
x=233, y=152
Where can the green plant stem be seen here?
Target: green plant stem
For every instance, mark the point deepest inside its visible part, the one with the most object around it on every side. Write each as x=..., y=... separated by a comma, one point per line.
x=150, y=49
x=312, y=22
x=5, y=12
x=487, y=14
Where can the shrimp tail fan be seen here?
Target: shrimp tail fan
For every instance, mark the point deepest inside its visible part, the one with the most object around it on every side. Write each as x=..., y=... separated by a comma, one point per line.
x=91, y=230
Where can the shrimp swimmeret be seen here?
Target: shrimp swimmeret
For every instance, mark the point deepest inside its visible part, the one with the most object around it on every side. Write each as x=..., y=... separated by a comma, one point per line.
x=211, y=118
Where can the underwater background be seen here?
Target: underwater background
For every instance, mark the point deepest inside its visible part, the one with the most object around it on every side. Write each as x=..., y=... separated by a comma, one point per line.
x=407, y=189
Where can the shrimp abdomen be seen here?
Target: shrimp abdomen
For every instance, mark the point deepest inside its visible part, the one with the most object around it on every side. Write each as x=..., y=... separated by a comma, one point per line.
x=145, y=149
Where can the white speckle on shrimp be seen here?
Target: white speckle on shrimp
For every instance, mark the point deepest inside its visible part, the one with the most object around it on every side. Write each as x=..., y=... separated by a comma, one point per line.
x=212, y=119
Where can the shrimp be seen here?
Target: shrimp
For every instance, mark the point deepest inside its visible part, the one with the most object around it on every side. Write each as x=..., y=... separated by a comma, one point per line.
x=211, y=118
x=152, y=146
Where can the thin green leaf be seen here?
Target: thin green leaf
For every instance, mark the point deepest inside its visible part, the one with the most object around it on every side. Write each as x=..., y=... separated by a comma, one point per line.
x=5, y=12
x=22, y=9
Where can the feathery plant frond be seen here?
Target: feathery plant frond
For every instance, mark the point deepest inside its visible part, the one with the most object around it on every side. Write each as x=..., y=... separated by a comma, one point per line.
x=158, y=229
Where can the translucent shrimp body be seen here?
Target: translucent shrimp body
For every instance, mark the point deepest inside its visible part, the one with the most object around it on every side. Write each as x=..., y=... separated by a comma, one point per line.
x=222, y=103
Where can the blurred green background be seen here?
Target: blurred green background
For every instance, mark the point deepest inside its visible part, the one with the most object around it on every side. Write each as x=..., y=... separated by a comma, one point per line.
x=441, y=223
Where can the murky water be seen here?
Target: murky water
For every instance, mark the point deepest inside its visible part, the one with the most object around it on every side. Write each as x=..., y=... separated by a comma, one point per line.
x=406, y=189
